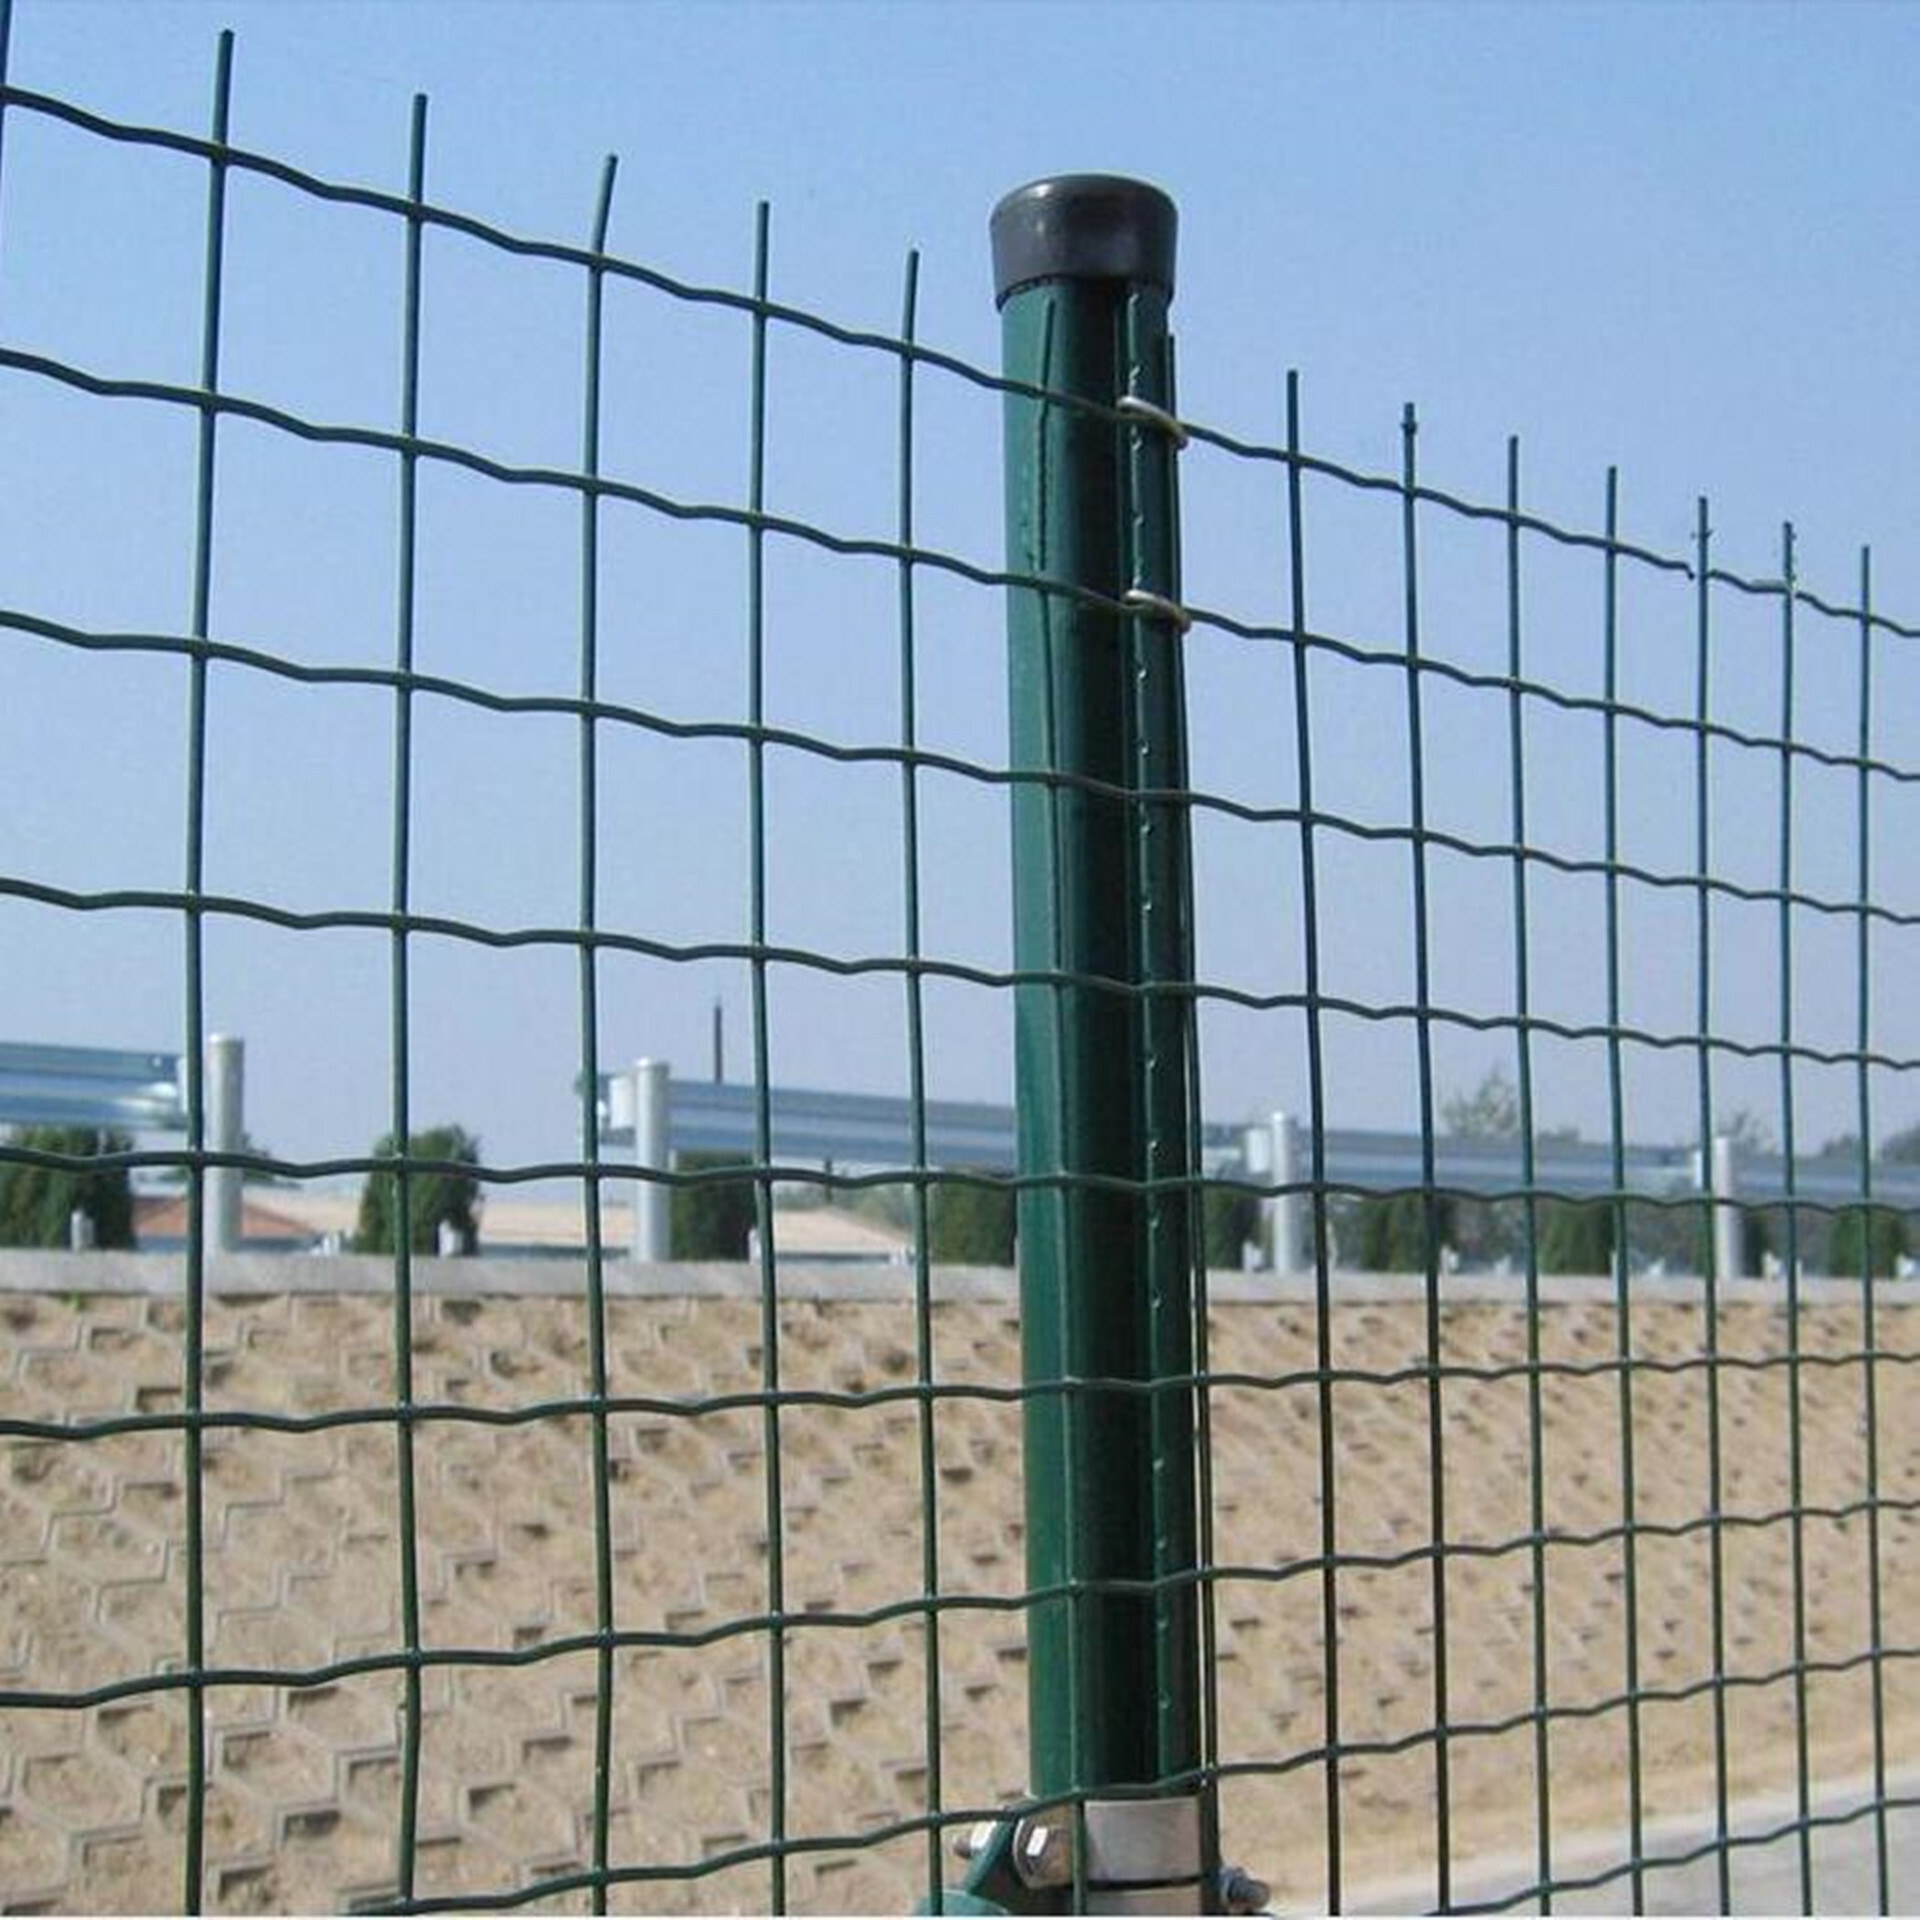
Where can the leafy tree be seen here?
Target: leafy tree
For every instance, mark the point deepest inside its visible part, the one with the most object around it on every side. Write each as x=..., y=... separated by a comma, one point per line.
x=1228, y=1221
x=714, y=1220
x=1390, y=1234
x=1861, y=1234
x=1485, y=1232
x=1488, y=1231
x=37, y=1203
x=1490, y=1112
x=1762, y=1231
x=432, y=1197
x=1748, y=1132
x=1576, y=1236
x=1878, y=1233
x=970, y=1226
x=1682, y=1236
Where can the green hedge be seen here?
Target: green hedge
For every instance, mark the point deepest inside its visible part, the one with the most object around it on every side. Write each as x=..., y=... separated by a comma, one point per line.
x=713, y=1220
x=970, y=1226
x=1863, y=1233
x=1576, y=1236
x=37, y=1203
x=1390, y=1234
x=1228, y=1221
x=431, y=1197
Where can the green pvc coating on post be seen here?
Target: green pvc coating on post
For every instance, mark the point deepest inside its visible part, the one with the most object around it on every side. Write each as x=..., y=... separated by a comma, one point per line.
x=1100, y=895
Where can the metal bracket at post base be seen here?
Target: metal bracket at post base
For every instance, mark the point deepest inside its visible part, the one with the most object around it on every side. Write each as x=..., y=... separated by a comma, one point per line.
x=1143, y=1856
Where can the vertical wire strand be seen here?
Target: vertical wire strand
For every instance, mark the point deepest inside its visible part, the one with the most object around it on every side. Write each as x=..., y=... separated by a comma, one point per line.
x=1709, y=1254
x=1617, y=1179
x=924, y=1353
x=1317, y=1142
x=1060, y=1218
x=1202, y=1285
x=1529, y=1174
x=762, y=1082
x=1429, y=1175
x=604, y=1618
x=1869, y=1340
x=194, y=1865
x=400, y=987
x=6, y=42
x=1167, y=1091
x=1145, y=831
x=1796, y=1524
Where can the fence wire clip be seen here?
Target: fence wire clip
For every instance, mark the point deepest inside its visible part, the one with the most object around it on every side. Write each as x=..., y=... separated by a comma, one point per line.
x=1156, y=606
x=1158, y=418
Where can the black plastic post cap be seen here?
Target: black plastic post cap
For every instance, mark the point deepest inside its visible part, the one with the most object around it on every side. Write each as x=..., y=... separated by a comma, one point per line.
x=1083, y=226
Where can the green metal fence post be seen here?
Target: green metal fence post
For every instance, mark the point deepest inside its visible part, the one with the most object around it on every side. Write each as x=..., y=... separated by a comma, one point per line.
x=1084, y=274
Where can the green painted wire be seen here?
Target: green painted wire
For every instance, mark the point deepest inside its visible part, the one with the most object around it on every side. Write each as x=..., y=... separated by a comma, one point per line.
x=1710, y=1316
x=1617, y=1209
x=704, y=1406
x=448, y=453
x=1166, y=1091
x=340, y=193
x=81, y=1699
x=801, y=1173
x=1797, y=1533
x=239, y=907
x=195, y=905
x=925, y=1357
x=762, y=1077
x=561, y=1884
x=412, y=1706
x=1686, y=1857
x=6, y=43
x=1202, y=1303
x=194, y=1864
x=1073, y=1405
x=1429, y=1177
x=1869, y=1374
x=1317, y=1152
x=1530, y=1211
x=603, y=1597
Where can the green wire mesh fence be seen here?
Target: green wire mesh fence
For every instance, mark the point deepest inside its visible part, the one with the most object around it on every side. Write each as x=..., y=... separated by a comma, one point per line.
x=1448, y=1591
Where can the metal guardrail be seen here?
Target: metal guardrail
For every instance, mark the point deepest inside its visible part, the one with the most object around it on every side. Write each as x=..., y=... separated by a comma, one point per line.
x=128, y=1092
x=47, y=1086
x=813, y=1125
x=1575, y=1169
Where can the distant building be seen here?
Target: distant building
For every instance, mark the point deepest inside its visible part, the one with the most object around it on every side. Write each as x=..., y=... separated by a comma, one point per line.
x=160, y=1225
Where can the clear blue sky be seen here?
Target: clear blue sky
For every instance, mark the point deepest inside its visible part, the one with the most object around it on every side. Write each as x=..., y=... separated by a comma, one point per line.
x=1679, y=239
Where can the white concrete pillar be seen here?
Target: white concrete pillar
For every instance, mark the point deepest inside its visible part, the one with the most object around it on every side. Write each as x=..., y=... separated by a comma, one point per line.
x=619, y=1113
x=81, y=1237
x=1723, y=1183
x=652, y=1147
x=226, y=1133
x=1290, y=1219
x=1256, y=1160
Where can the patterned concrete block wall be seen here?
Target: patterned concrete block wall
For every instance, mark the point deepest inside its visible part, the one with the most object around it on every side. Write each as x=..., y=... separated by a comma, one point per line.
x=302, y=1564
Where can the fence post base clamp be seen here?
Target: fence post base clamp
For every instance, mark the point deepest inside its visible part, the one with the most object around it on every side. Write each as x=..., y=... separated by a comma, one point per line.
x=1143, y=1856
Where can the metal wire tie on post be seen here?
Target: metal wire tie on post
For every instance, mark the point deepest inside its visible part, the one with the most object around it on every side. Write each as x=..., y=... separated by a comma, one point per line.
x=1149, y=415
x=1156, y=606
